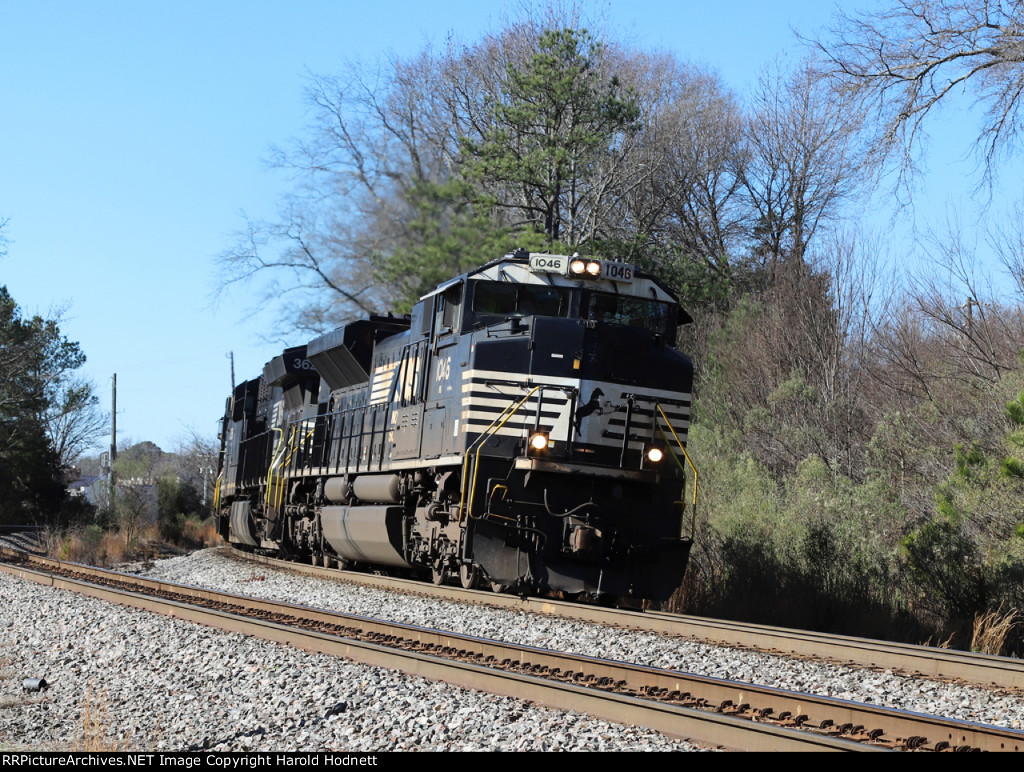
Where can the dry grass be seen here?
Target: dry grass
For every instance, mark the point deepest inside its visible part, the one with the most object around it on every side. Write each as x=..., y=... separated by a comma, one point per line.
x=991, y=630
x=94, y=546
x=81, y=545
x=114, y=547
x=202, y=532
x=95, y=723
x=52, y=541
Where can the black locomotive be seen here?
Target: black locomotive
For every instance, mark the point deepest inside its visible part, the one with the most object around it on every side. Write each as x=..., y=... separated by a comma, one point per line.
x=525, y=426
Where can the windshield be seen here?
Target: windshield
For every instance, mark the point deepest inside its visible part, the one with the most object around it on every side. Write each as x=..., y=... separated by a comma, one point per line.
x=628, y=311
x=497, y=300
x=505, y=299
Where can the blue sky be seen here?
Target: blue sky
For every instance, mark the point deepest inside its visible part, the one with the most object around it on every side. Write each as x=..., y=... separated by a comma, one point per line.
x=132, y=136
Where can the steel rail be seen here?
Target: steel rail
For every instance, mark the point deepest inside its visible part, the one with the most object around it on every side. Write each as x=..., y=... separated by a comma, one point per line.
x=722, y=697
x=714, y=729
x=932, y=662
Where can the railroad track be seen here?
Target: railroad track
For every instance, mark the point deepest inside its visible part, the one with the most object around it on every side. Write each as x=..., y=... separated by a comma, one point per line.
x=930, y=662
x=709, y=711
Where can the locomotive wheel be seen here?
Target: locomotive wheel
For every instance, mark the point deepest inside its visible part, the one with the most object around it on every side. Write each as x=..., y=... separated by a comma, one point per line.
x=437, y=574
x=498, y=587
x=469, y=576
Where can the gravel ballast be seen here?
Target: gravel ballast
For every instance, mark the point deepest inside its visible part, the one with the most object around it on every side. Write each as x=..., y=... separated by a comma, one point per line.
x=123, y=679
x=163, y=684
x=217, y=569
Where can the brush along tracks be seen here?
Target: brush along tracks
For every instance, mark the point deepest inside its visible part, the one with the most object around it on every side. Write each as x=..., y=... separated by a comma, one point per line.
x=720, y=713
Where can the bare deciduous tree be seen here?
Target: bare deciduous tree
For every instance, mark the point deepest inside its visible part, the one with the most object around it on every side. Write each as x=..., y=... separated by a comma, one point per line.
x=308, y=261
x=196, y=463
x=942, y=358
x=1007, y=241
x=912, y=56
x=384, y=139
x=681, y=178
x=982, y=334
x=369, y=140
x=804, y=159
x=74, y=421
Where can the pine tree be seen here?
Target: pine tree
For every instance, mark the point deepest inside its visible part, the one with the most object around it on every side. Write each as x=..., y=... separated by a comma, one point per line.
x=559, y=116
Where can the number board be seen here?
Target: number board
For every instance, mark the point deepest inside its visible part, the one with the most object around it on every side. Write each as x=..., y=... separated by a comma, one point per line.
x=617, y=271
x=549, y=264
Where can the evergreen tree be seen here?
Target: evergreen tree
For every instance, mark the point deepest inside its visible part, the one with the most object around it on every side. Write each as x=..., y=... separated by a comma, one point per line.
x=558, y=118
x=34, y=360
x=447, y=234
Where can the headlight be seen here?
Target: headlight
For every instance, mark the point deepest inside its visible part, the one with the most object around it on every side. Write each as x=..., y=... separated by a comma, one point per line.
x=655, y=454
x=539, y=441
x=587, y=269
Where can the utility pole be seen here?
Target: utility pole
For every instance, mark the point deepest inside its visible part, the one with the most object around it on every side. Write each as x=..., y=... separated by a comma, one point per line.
x=113, y=435
x=969, y=305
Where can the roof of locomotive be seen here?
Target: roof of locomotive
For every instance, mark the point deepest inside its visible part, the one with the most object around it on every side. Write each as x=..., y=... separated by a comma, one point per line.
x=518, y=267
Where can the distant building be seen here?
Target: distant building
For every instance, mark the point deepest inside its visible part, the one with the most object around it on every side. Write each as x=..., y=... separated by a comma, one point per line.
x=93, y=487
x=138, y=495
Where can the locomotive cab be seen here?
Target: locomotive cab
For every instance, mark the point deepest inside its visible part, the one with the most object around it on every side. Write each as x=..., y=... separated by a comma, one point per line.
x=575, y=403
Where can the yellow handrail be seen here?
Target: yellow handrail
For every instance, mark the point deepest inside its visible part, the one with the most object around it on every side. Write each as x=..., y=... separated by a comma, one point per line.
x=216, y=493
x=282, y=464
x=477, y=445
x=693, y=514
x=267, y=499
x=291, y=452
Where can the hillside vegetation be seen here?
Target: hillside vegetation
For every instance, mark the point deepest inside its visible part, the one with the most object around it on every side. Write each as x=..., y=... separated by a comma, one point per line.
x=859, y=413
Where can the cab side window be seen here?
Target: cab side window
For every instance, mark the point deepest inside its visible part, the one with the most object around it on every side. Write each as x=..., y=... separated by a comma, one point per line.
x=449, y=310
